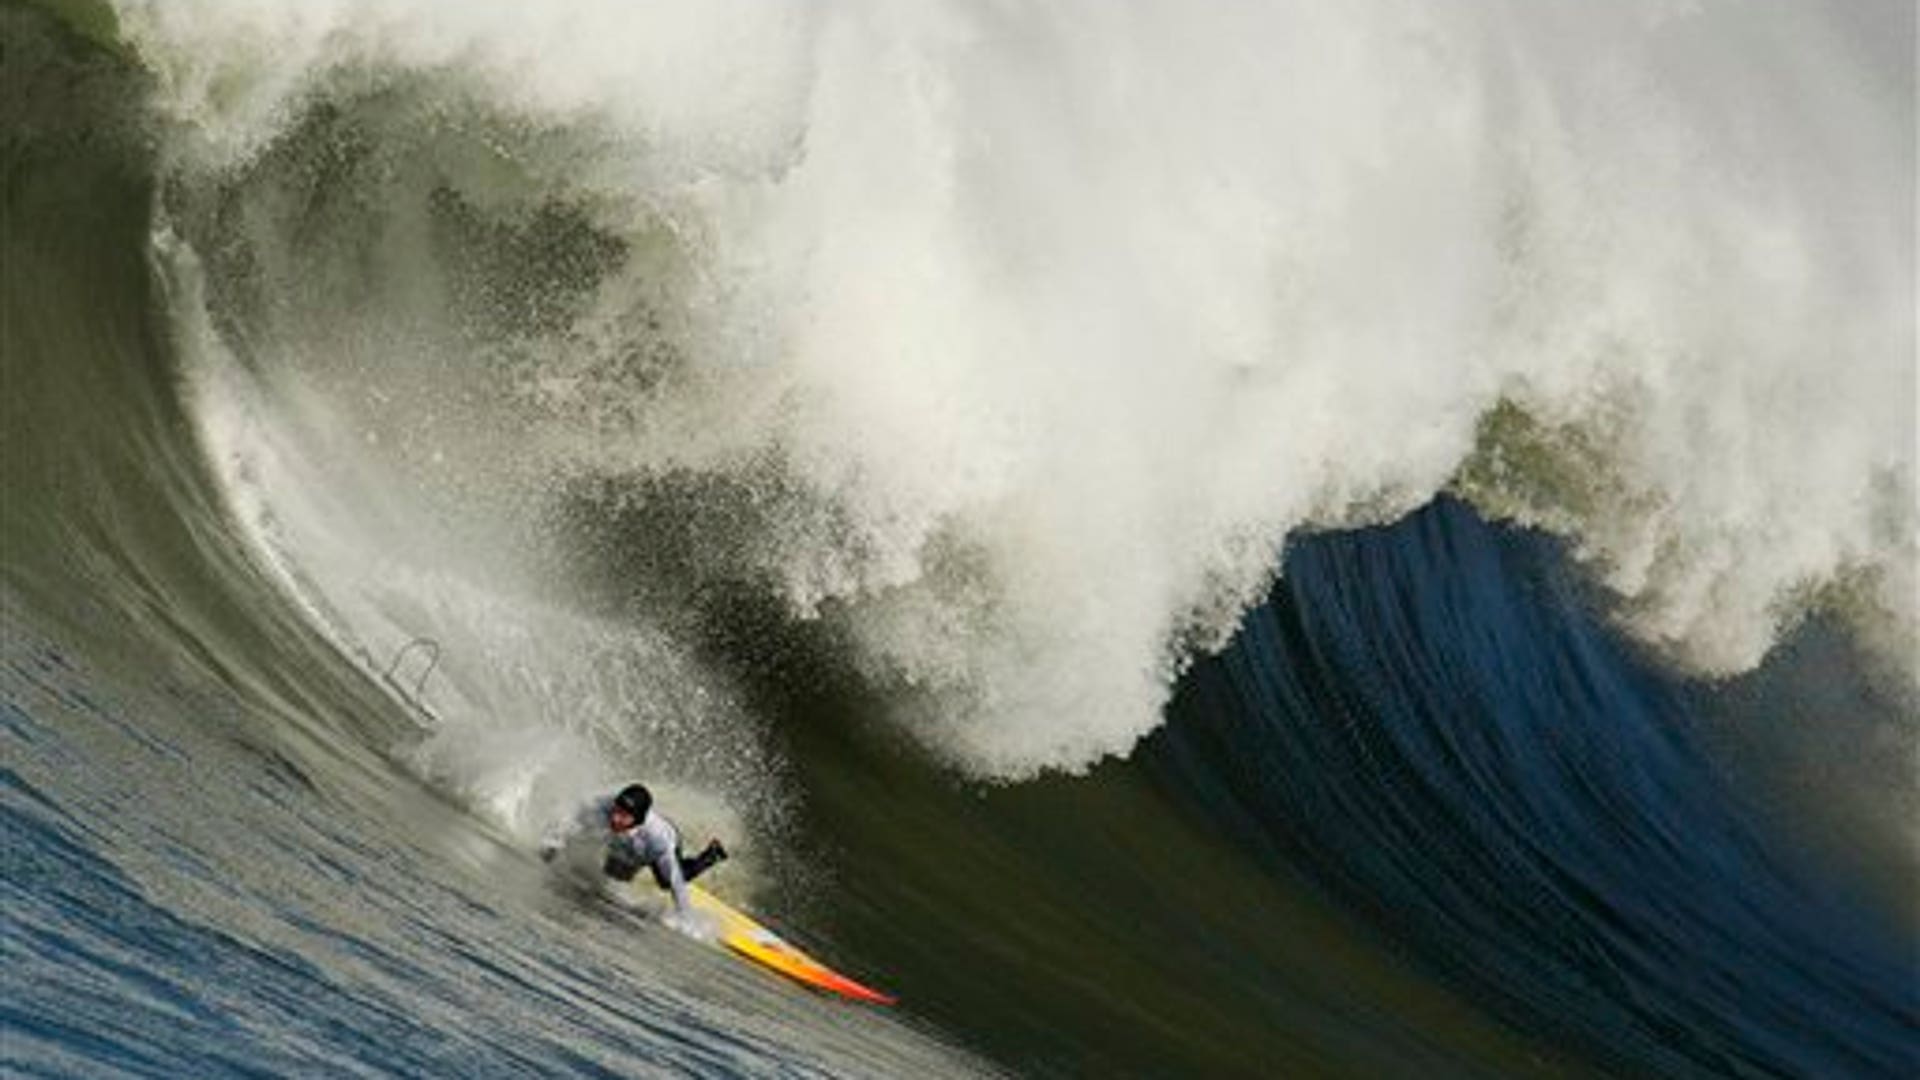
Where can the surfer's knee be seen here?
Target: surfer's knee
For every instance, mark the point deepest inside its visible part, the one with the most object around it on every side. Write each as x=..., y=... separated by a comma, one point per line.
x=620, y=866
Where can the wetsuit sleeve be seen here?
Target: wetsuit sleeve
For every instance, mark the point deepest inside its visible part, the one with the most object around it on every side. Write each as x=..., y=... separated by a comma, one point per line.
x=554, y=836
x=667, y=868
x=584, y=819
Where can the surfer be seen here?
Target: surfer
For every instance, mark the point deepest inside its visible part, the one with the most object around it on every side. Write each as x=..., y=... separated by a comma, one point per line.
x=637, y=837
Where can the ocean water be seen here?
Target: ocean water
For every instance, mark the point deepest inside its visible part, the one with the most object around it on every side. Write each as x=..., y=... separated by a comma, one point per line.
x=1252, y=539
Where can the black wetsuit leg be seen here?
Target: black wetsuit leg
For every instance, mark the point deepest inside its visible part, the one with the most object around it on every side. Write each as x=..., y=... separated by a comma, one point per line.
x=699, y=864
x=689, y=868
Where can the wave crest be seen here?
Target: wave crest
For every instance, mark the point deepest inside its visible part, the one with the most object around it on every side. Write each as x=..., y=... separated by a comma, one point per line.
x=1016, y=341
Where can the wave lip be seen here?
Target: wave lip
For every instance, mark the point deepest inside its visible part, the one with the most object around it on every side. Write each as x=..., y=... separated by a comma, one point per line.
x=979, y=314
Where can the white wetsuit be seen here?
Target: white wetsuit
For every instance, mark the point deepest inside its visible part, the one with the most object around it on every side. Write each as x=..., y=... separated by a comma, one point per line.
x=656, y=843
x=653, y=843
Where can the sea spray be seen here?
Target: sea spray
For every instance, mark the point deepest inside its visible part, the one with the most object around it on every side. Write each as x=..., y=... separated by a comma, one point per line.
x=1014, y=341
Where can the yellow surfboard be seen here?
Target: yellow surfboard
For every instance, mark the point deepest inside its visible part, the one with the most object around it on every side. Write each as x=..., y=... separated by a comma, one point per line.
x=740, y=933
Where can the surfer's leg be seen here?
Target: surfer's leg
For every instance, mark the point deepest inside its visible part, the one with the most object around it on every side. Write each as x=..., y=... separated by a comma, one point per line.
x=620, y=864
x=701, y=863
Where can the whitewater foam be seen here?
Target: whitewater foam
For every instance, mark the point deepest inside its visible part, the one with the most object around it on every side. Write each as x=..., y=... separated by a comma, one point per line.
x=1017, y=338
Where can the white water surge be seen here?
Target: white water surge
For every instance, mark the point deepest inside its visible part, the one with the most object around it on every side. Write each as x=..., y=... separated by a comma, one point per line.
x=1021, y=335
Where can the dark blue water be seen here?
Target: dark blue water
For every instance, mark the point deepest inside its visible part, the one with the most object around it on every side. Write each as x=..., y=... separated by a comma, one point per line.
x=1433, y=722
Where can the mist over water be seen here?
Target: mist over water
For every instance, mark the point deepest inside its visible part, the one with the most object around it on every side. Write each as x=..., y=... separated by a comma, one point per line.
x=979, y=312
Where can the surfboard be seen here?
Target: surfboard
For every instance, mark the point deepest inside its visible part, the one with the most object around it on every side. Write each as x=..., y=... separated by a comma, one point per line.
x=740, y=933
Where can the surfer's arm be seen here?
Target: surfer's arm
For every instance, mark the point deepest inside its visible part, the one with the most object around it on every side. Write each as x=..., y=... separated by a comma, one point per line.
x=666, y=869
x=589, y=816
x=554, y=838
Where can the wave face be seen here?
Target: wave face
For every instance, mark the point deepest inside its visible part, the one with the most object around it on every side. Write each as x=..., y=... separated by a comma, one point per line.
x=1415, y=718
x=1002, y=468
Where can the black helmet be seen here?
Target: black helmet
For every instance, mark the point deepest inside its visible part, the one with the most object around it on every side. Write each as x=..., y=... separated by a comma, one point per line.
x=635, y=799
